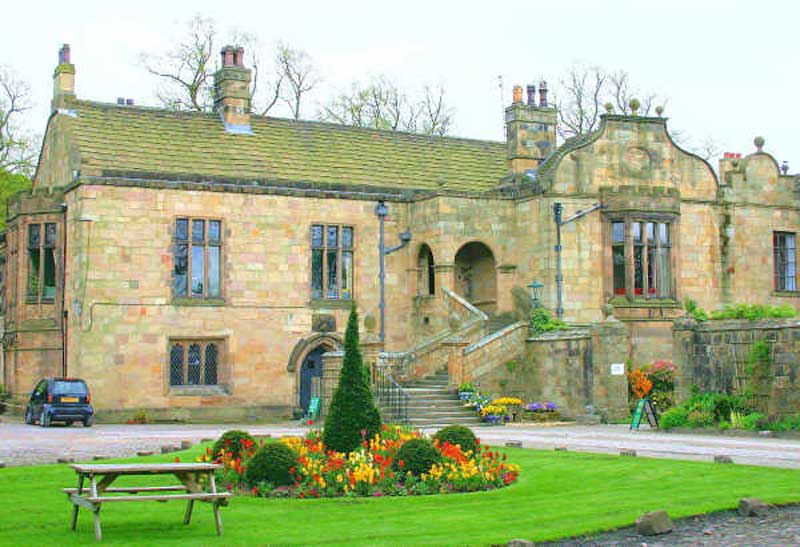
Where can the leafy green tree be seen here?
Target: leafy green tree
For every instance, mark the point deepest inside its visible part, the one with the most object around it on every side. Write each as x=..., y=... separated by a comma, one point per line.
x=352, y=415
x=10, y=184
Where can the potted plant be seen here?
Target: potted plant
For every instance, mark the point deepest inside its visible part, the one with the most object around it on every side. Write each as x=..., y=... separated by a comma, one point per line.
x=492, y=414
x=465, y=391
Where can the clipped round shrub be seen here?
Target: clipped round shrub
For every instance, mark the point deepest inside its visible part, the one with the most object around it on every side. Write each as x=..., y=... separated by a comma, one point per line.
x=231, y=441
x=272, y=464
x=457, y=434
x=417, y=455
x=675, y=417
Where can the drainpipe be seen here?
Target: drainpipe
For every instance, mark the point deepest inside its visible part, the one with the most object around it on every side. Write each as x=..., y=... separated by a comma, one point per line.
x=382, y=211
x=63, y=294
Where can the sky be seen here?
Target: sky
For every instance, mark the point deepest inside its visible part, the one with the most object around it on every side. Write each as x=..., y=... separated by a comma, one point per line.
x=727, y=69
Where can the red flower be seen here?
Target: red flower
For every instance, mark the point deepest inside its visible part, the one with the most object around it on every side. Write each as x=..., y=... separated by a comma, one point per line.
x=177, y=459
x=292, y=470
x=255, y=490
x=401, y=464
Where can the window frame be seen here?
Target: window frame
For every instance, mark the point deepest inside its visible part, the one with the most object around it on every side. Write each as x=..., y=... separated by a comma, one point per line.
x=629, y=244
x=206, y=245
x=42, y=248
x=340, y=251
x=783, y=267
x=203, y=342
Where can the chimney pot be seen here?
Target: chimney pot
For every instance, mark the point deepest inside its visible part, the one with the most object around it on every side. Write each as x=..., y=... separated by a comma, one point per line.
x=129, y=102
x=531, y=89
x=121, y=101
x=227, y=56
x=240, y=57
x=543, y=93
x=517, y=99
x=63, y=55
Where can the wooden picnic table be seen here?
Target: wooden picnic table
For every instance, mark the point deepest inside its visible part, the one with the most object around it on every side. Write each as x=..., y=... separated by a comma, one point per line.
x=101, y=476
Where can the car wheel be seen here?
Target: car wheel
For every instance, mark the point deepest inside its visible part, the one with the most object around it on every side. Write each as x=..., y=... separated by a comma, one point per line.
x=88, y=422
x=44, y=419
x=29, y=416
x=68, y=422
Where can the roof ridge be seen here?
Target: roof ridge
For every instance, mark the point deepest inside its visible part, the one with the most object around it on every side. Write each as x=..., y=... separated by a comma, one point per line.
x=288, y=121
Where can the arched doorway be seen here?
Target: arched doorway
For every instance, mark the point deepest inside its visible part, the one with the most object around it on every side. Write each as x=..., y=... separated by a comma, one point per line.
x=476, y=276
x=310, y=375
x=426, y=274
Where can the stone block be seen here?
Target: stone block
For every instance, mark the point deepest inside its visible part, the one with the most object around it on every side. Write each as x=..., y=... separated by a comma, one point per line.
x=514, y=444
x=206, y=440
x=98, y=457
x=144, y=453
x=723, y=459
x=185, y=445
x=654, y=523
x=520, y=543
x=560, y=448
x=753, y=507
x=627, y=452
x=166, y=449
x=65, y=459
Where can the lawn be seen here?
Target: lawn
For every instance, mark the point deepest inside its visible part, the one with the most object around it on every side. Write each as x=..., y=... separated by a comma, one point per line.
x=559, y=494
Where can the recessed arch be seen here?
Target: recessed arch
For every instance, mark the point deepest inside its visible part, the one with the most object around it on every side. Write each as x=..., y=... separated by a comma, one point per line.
x=476, y=275
x=330, y=341
x=426, y=273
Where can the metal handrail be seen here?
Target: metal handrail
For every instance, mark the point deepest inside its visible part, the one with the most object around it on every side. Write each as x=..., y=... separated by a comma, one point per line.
x=392, y=399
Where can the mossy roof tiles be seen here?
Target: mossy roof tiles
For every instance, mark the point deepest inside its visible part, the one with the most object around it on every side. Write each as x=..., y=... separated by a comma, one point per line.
x=194, y=146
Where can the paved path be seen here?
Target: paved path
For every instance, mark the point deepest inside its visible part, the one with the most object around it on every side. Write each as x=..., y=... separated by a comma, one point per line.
x=22, y=444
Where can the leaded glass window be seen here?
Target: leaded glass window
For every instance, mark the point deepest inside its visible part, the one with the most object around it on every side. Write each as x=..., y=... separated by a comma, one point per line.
x=332, y=262
x=194, y=362
x=197, y=258
x=42, y=240
x=785, y=259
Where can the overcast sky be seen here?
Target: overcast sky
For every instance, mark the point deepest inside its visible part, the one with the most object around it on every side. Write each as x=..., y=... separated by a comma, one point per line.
x=728, y=68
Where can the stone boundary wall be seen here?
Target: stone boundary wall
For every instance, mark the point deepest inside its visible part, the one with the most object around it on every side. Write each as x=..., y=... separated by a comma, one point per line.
x=714, y=356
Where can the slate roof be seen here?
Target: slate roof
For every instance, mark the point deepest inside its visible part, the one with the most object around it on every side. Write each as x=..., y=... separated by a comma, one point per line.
x=195, y=146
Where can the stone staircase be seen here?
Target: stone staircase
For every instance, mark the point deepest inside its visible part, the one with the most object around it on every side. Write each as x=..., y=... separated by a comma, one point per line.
x=498, y=322
x=433, y=405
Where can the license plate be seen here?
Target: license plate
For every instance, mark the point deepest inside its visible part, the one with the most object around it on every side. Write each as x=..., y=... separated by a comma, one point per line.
x=69, y=399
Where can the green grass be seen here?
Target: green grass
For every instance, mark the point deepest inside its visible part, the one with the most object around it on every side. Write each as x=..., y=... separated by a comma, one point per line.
x=559, y=494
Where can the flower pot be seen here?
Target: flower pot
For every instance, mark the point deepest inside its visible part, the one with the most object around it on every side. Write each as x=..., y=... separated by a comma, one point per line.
x=464, y=395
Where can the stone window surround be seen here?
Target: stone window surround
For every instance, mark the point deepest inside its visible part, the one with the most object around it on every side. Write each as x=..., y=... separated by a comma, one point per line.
x=788, y=266
x=188, y=298
x=324, y=298
x=43, y=247
x=199, y=389
x=628, y=217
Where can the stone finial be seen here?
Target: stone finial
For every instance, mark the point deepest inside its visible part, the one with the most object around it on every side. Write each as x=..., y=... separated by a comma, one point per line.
x=759, y=142
x=659, y=110
x=609, y=108
x=634, y=104
x=517, y=97
x=785, y=167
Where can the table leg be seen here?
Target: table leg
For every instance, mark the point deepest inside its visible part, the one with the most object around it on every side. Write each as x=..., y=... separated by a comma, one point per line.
x=217, y=518
x=98, y=532
x=188, y=517
x=75, y=509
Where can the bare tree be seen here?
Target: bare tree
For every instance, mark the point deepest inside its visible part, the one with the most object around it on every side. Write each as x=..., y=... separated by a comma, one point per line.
x=186, y=71
x=381, y=104
x=18, y=149
x=296, y=68
x=585, y=89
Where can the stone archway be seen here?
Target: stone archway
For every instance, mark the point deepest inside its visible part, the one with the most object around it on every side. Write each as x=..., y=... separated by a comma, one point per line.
x=306, y=362
x=476, y=276
x=426, y=274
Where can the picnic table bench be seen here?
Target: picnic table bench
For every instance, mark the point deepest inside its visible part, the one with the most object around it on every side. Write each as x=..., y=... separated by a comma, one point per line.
x=101, y=476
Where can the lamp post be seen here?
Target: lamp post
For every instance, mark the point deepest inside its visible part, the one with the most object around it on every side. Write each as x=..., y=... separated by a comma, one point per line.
x=382, y=211
x=536, y=293
x=558, y=208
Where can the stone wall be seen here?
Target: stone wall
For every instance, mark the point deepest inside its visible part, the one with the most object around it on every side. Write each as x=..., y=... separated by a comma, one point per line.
x=715, y=356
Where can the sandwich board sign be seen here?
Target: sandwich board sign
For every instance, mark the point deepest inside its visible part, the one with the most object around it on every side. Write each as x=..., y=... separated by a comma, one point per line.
x=644, y=407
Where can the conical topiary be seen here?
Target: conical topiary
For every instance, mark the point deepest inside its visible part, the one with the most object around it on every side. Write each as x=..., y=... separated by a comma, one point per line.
x=352, y=410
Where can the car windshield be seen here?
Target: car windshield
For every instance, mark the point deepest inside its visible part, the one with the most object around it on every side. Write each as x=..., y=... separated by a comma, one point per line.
x=66, y=387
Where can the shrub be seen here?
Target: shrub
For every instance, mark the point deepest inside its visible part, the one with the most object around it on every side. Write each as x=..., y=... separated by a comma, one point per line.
x=753, y=421
x=466, y=387
x=754, y=312
x=417, y=456
x=724, y=425
x=231, y=441
x=457, y=434
x=353, y=416
x=691, y=307
x=676, y=417
x=699, y=418
x=541, y=321
x=272, y=463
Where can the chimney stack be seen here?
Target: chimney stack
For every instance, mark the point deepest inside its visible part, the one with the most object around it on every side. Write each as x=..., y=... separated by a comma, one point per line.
x=63, y=79
x=543, y=94
x=232, y=91
x=517, y=98
x=531, y=95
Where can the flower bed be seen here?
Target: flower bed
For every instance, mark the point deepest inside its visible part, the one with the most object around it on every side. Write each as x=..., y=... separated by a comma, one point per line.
x=372, y=470
x=541, y=412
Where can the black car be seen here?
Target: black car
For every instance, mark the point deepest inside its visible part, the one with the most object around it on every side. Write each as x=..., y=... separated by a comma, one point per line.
x=60, y=400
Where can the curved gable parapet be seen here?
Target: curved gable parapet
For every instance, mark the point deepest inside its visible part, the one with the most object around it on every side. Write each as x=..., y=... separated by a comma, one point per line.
x=757, y=178
x=630, y=151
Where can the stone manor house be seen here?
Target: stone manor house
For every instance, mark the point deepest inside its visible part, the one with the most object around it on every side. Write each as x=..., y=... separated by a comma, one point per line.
x=201, y=264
